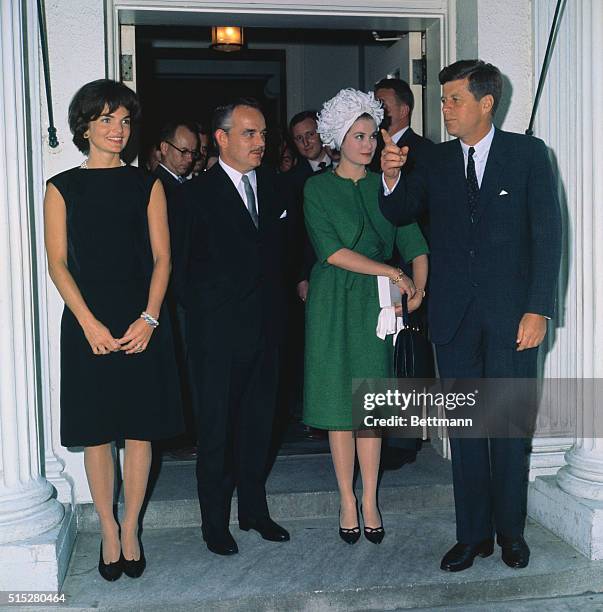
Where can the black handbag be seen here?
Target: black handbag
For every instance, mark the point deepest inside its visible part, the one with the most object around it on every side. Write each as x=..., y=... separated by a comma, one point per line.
x=413, y=354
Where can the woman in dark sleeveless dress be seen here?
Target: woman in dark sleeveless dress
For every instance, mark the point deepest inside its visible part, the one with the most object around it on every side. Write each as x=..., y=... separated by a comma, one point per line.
x=108, y=250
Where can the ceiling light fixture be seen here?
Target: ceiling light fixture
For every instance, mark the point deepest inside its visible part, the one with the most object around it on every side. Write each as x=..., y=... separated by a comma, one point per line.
x=227, y=38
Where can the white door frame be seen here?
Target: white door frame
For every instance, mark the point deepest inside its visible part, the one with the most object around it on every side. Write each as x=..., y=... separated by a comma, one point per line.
x=442, y=30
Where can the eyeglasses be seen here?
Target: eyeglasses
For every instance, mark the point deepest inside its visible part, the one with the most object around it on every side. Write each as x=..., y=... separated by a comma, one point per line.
x=195, y=155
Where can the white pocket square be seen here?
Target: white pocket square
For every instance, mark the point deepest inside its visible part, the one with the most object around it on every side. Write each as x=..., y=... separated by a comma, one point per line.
x=283, y=215
x=503, y=192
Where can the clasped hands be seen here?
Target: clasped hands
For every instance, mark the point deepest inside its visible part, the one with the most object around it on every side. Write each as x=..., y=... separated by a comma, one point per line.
x=135, y=340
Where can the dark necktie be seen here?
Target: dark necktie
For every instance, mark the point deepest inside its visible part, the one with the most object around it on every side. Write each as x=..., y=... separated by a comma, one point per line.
x=321, y=166
x=251, y=205
x=472, y=184
x=181, y=179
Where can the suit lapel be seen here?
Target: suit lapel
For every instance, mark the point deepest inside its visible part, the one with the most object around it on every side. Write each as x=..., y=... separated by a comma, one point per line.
x=492, y=173
x=456, y=176
x=234, y=207
x=405, y=138
x=271, y=202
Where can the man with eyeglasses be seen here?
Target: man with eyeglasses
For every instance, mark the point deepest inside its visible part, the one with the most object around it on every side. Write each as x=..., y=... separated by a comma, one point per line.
x=179, y=149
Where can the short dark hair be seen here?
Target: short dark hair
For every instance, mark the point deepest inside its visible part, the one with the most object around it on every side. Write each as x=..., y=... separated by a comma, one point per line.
x=168, y=130
x=222, y=116
x=307, y=114
x=89, y=103
x=401, y=89
x=484, y=79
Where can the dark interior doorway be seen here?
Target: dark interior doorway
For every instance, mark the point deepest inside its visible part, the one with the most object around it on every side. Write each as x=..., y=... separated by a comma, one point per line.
x=175, y=81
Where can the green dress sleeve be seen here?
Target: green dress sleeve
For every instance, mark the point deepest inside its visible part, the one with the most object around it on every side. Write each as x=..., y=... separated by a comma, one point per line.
x=321, y=231
x=411, y=242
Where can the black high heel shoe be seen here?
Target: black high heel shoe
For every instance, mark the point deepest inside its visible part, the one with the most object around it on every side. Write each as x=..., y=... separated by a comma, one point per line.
x=349, y=536
x=135, y=568
x=374, y=534
x=109, y=571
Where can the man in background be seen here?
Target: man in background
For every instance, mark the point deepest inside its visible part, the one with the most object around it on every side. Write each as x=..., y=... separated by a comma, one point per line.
x=178, y=151
x=313, y=158
x=398, y=104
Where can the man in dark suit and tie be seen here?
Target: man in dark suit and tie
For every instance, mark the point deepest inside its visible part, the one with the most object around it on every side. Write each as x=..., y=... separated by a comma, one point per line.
x=230, y=276
x=313, y=158
x=178, y=150
x=495, y=245
x=398, y=103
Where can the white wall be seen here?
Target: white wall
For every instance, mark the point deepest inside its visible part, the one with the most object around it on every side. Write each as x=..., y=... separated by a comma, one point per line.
x=505, y=39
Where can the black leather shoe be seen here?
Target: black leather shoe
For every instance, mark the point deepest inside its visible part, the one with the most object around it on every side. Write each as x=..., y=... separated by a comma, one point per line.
x=134, y=567
x=266, y=527
x=461, y=556
x=223, y=544
x=109, y=571
x=515, y=551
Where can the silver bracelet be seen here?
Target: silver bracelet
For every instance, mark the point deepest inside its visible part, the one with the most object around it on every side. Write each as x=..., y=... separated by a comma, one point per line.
x=148, y=319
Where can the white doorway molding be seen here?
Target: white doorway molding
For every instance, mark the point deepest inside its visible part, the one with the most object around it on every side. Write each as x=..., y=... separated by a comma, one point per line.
x=436, y=17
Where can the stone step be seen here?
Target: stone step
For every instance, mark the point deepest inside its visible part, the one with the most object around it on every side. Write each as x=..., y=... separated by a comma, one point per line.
x=316, y=571
x=299, y=487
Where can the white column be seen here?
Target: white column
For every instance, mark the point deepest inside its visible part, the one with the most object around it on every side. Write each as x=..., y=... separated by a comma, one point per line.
x=583, y=475
x=27, y=505
x=570, y=504
x=53, y=465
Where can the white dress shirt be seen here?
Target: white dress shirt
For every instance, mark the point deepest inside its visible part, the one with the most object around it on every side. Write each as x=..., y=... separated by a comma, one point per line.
x=399, y=134
x=237, y=179
x=480, y=157
x=315, y=163
x=168, y=170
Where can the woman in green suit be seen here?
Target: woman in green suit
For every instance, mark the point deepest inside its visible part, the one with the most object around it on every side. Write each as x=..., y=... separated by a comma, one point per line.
x=352, y=241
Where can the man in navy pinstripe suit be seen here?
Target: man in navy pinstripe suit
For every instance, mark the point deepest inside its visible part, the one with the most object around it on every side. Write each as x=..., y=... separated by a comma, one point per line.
x=495, y=252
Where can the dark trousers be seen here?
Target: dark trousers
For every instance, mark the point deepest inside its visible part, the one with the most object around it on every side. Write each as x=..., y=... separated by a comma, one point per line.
x=235, y=397
x=489, y=475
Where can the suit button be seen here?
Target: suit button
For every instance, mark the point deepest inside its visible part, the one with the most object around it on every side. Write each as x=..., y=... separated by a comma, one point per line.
x=475, y=284
x=472, y=253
